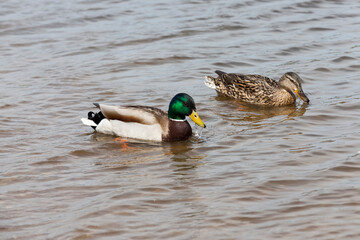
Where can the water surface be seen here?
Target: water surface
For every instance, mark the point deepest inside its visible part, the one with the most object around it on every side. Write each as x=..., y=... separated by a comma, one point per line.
x=253, y=173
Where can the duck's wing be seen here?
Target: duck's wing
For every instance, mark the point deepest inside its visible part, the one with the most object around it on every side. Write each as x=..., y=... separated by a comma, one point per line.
x=247, y=81
x=247, y=87
x=138, y=114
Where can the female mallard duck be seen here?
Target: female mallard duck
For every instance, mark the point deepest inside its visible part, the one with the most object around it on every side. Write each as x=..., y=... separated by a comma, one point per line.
x=147, y=123
x=258, y=89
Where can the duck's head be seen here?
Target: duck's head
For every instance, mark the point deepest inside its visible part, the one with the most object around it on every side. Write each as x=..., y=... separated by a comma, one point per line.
x=183, y=105
x=291, y=81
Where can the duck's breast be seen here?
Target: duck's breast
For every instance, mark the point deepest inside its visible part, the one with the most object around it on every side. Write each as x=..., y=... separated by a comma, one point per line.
x=177, y=131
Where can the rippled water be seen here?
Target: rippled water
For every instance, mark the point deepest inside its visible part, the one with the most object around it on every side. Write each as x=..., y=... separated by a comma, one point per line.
x=254, y=173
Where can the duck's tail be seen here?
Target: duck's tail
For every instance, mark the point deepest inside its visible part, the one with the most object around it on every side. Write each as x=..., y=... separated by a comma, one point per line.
x=93, y=118
x=210, y=82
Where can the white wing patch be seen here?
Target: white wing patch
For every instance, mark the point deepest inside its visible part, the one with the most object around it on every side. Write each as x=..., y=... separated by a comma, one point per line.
x=130, y=130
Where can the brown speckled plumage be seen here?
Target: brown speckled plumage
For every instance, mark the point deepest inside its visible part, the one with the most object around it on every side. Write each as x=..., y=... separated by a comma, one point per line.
x=257, y=89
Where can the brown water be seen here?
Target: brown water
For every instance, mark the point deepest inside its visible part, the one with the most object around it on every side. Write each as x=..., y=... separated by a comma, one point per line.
x=287, y=173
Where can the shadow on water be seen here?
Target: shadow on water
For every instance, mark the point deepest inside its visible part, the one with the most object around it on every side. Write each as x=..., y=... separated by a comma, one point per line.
x=127, y=152
x=245, y=112
x=184, y=155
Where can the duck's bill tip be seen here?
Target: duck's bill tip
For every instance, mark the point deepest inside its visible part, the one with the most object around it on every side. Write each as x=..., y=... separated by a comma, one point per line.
x=304, y=98
x=302, y=95
x=195, y=117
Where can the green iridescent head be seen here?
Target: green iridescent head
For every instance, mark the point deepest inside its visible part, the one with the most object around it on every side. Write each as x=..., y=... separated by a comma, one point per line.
x=183, y=105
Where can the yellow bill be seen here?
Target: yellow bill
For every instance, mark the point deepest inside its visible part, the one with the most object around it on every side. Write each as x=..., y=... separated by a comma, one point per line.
x=195, y=117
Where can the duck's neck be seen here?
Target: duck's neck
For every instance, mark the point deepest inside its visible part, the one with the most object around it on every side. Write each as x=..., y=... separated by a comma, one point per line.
x=284, y=97
x=283, y=87
x=172, y=115
x=291, y=93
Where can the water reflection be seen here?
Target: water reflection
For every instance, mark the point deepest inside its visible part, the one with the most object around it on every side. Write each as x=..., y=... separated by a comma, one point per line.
x=251, y=172
x=117, y=152
x=184, y=155
x=244, y=112
x=178, y=149
x=121, y=151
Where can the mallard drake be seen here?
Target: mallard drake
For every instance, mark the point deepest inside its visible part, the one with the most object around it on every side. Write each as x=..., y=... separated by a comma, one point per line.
x=147, y=123
x=257, y=89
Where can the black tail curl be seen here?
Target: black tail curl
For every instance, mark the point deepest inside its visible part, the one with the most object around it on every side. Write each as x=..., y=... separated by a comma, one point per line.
x=96, y=117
